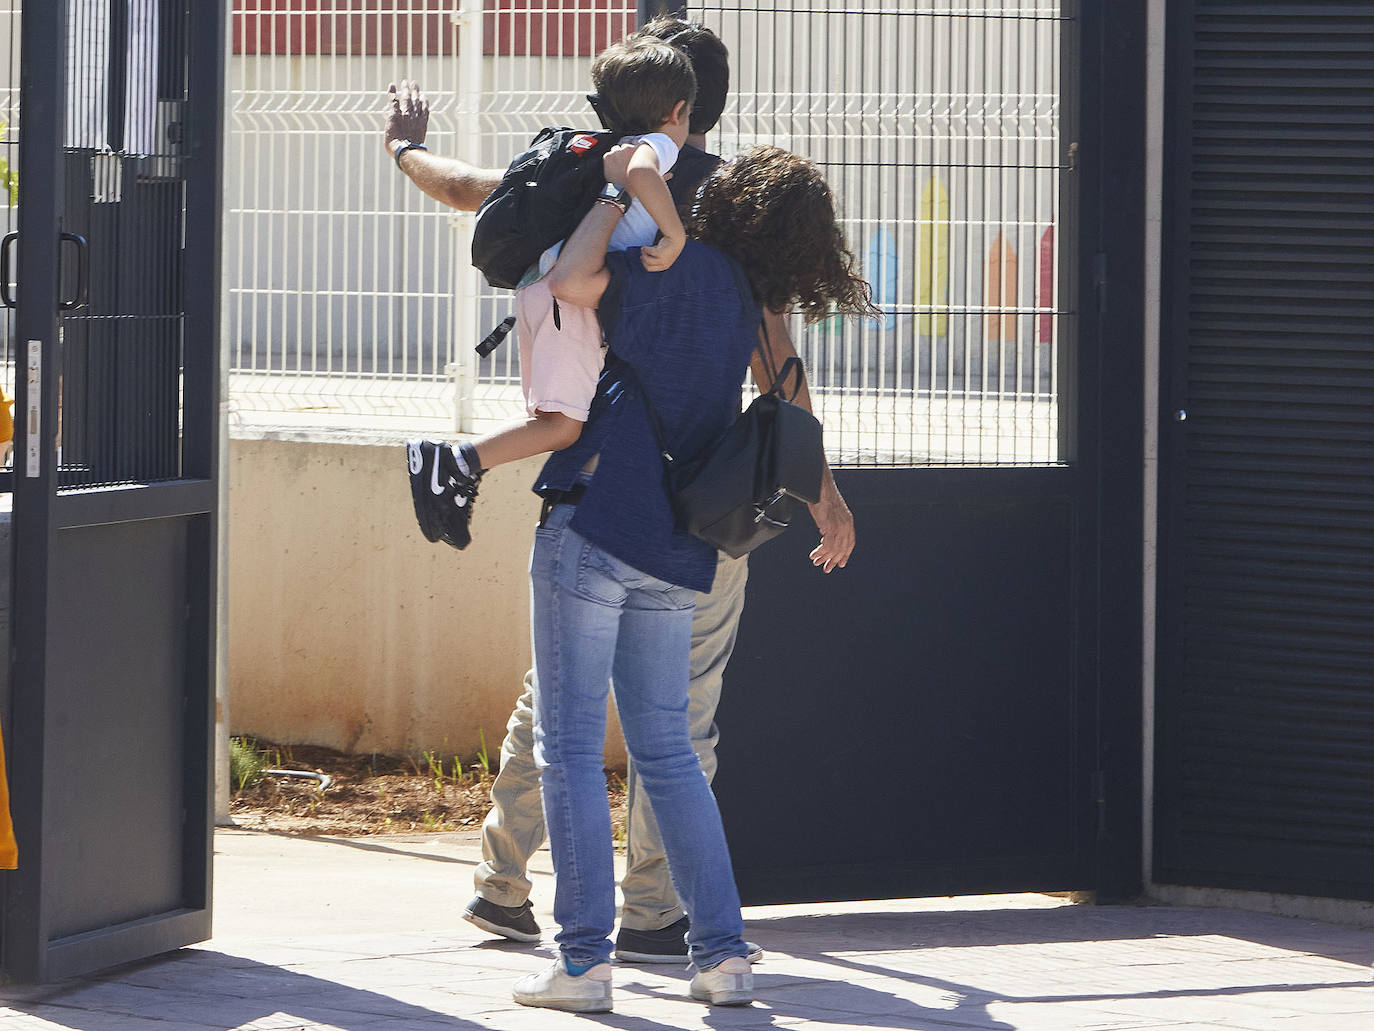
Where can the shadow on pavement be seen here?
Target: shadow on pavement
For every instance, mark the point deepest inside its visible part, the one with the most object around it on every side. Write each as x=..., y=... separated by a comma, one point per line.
x=194, y=989
x=961, y=928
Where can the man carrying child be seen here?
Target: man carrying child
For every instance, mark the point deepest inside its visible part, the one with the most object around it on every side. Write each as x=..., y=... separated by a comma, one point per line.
x=649, y=86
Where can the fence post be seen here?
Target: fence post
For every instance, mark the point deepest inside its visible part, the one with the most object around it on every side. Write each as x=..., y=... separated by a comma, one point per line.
x=463, y=367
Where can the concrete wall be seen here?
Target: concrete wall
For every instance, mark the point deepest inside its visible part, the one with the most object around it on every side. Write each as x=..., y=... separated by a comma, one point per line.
x=346, y=627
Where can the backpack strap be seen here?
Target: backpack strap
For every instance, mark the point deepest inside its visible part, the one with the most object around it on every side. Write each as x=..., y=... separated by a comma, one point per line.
x=782, y=375
x=765, y=347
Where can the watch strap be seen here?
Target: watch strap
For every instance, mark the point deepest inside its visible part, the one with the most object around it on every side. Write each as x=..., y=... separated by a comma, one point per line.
x=617, y=195
x=401, y=146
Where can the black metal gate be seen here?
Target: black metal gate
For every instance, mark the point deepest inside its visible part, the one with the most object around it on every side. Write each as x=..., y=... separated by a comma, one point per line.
x=962, y=703
x=113, y=277
x=1266, y=709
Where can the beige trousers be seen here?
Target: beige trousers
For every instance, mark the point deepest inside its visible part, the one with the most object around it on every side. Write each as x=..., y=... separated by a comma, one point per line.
x=514, y=829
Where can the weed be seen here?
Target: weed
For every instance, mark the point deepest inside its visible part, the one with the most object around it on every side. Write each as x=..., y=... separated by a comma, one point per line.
x=246, y=763
x=435, y=766
x=483, y=760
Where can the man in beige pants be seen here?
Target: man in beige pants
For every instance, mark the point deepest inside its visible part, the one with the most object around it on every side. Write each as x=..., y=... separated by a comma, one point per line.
x=652, y=923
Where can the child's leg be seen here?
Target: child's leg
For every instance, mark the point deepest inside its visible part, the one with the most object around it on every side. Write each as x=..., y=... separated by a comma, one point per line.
x=559, y=366
x=539, y=433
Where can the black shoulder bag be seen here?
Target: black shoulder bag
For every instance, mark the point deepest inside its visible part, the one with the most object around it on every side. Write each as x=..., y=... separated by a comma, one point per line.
x=744, y=488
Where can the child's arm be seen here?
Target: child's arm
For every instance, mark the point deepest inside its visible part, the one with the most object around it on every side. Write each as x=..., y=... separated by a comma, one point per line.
x=646, y=183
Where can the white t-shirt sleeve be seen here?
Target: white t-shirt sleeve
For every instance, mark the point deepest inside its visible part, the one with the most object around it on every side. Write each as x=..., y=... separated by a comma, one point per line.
x=664, y=149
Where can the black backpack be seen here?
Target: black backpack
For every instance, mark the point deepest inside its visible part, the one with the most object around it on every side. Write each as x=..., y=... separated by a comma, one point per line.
x=543, y=196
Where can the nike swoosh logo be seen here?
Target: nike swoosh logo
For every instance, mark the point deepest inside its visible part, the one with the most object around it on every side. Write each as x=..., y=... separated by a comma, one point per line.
x=434, y=485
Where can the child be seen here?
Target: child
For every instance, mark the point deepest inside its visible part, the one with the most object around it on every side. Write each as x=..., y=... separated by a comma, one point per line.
x=646, y=87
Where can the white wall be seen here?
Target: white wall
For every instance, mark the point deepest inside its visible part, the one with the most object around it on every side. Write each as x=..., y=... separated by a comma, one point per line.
x=346, y=627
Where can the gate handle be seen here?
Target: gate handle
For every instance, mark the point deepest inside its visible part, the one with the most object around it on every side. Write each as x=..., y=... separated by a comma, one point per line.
x=83, y=272
x=6, y=246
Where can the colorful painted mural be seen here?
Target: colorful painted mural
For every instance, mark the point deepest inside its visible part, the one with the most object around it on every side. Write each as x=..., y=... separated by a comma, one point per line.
x=932, y=268
x=1000, y=286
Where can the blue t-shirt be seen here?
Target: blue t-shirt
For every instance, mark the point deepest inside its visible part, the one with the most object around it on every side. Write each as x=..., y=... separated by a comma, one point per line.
x=684, y=336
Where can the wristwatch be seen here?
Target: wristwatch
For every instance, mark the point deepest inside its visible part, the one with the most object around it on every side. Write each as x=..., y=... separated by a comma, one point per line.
x=399, y=147
x=617, y=195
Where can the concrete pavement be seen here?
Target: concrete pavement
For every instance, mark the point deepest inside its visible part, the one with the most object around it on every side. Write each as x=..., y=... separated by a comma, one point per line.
x=366, y=935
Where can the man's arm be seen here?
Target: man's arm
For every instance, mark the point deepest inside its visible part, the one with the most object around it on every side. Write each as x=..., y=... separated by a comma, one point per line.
x=579, y=276
x=448, y=180
x=832, y=515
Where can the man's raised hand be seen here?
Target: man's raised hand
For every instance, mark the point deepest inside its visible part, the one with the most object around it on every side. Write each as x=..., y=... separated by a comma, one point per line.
x=407, y=114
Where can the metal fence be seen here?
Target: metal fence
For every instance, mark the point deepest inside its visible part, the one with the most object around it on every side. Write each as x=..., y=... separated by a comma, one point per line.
x=937, y=124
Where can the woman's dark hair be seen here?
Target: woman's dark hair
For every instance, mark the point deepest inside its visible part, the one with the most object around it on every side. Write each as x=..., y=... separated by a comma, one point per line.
x=710, y=60
x=640, y=81
x=773, y=213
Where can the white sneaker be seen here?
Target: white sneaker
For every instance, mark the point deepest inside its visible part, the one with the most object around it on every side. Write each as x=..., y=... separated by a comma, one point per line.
x=556, y=989
x=729, y=984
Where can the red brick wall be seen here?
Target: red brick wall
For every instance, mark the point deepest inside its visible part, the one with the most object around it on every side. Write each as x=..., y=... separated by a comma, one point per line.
x=384, y=28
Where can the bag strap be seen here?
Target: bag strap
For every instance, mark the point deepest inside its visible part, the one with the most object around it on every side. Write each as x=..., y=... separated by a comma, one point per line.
x=657, y=423
x=782, y=375
x=765, y=348
x=653, y=417
x=777, y=376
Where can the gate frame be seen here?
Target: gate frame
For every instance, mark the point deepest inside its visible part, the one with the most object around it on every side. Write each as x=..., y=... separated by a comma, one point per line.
x=1111, y=354
x=27, y=950
x=1103, y=112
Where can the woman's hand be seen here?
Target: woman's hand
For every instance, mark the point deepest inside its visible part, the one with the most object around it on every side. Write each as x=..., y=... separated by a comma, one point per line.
x=836, y=524
x=616, y=163
x=662, y=254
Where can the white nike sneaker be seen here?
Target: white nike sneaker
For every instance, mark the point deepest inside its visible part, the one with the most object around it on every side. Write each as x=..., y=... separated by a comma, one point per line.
x=555, y=989
x=729, y=984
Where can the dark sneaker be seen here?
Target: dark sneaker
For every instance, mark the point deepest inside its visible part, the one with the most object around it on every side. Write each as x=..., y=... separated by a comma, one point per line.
x=443, y=494
x=666, y=945
x=513, y=922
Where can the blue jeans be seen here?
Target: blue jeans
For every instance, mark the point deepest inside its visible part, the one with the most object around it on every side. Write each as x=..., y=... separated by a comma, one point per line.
x=596, y=619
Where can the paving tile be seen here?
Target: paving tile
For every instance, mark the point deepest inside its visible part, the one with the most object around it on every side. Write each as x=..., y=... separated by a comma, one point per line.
x=375, y=943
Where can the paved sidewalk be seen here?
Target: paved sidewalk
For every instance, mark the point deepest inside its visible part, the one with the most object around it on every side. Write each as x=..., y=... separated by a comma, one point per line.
x=365, y=935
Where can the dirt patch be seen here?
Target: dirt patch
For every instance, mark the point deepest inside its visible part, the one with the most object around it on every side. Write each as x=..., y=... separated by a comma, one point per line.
x=375, y=794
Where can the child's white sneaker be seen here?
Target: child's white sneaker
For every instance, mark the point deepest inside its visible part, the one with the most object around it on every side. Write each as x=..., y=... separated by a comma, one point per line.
x=729, y=984
x=556, y=989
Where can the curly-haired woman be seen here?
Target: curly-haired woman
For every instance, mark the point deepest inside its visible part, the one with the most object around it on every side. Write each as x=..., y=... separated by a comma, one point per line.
x=613, y=581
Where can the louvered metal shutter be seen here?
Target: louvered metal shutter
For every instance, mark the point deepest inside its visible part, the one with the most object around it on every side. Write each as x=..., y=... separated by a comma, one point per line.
x=1266, y=692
